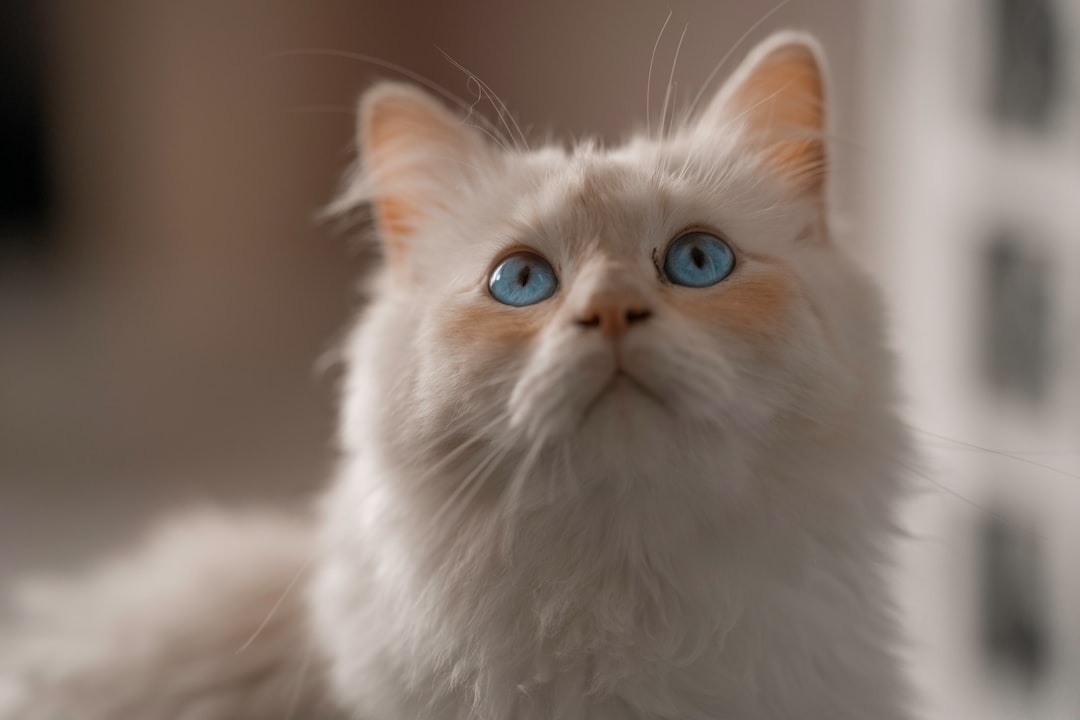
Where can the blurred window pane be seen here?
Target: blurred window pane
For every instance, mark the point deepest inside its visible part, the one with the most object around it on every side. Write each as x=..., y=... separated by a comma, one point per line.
x=1026, y=69
x=1016, y=322
x=1012, y=619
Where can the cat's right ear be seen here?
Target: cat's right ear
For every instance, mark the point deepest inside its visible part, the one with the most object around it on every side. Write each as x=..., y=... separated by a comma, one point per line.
x=414, y=153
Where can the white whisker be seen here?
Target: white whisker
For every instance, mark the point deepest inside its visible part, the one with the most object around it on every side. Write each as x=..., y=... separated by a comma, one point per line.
x=999, y=453
x=727, y=56
x=387, y=65
x=648, y=81
x=668, y=92
x=520, y=141
x=512, y=496
x=468, y=481
x=277, y=605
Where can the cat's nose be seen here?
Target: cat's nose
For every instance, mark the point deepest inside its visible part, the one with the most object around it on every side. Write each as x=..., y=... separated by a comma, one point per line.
x=613, y=312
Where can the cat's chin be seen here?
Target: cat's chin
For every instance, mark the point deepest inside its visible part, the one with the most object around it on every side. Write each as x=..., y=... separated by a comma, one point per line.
x=623, y=392
x=622, y=401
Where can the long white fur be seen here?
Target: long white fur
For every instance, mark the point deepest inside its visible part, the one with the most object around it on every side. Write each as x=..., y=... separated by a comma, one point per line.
x=726, y=562
x=501, y=542
x=162, y=632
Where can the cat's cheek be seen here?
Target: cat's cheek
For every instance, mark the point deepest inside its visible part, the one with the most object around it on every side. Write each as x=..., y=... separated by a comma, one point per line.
x=483, y=347
x=487, y=326
x=755, y=306
x=766, y=348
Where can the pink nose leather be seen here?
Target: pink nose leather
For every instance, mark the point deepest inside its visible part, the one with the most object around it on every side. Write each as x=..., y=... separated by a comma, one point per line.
x=613, y=312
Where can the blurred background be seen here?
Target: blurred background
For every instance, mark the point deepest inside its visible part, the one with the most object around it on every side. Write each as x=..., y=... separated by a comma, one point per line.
x=166, y=292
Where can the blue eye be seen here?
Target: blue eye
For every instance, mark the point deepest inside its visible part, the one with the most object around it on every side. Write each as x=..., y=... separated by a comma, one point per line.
x=698, y=259
x=522, y=279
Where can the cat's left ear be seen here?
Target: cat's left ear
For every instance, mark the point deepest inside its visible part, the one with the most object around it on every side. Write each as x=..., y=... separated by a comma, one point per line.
x=776, y=99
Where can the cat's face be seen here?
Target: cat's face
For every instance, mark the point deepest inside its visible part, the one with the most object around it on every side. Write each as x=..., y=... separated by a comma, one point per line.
x=672, y=302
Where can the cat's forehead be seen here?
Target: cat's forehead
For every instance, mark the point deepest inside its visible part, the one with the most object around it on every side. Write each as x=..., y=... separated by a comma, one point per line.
x=591, y=192
x=588, y=196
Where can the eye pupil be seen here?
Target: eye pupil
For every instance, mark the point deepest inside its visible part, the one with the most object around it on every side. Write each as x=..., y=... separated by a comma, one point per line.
x=523, y=276
x=698, y=259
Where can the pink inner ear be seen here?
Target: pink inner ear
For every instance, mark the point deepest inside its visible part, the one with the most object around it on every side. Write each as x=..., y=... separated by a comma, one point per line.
x=390, y=126
x=407, y=140
x=782, y=104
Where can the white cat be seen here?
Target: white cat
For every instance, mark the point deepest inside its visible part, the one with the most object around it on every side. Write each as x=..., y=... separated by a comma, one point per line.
x=618, y=442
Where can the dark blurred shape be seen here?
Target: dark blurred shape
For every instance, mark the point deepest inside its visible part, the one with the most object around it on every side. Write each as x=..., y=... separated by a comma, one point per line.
x=1014, y=636
x=1017, y=321
x=1027, y=63
x=25, y=180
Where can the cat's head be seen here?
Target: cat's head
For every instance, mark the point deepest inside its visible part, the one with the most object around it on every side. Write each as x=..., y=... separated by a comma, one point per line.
x=673, y=304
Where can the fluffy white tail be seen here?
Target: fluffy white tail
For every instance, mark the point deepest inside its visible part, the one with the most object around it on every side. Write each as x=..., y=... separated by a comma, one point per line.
x=204, y=621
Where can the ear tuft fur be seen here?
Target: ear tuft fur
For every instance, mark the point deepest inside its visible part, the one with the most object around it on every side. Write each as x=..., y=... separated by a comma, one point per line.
x=777, y=98
x=413, y=153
